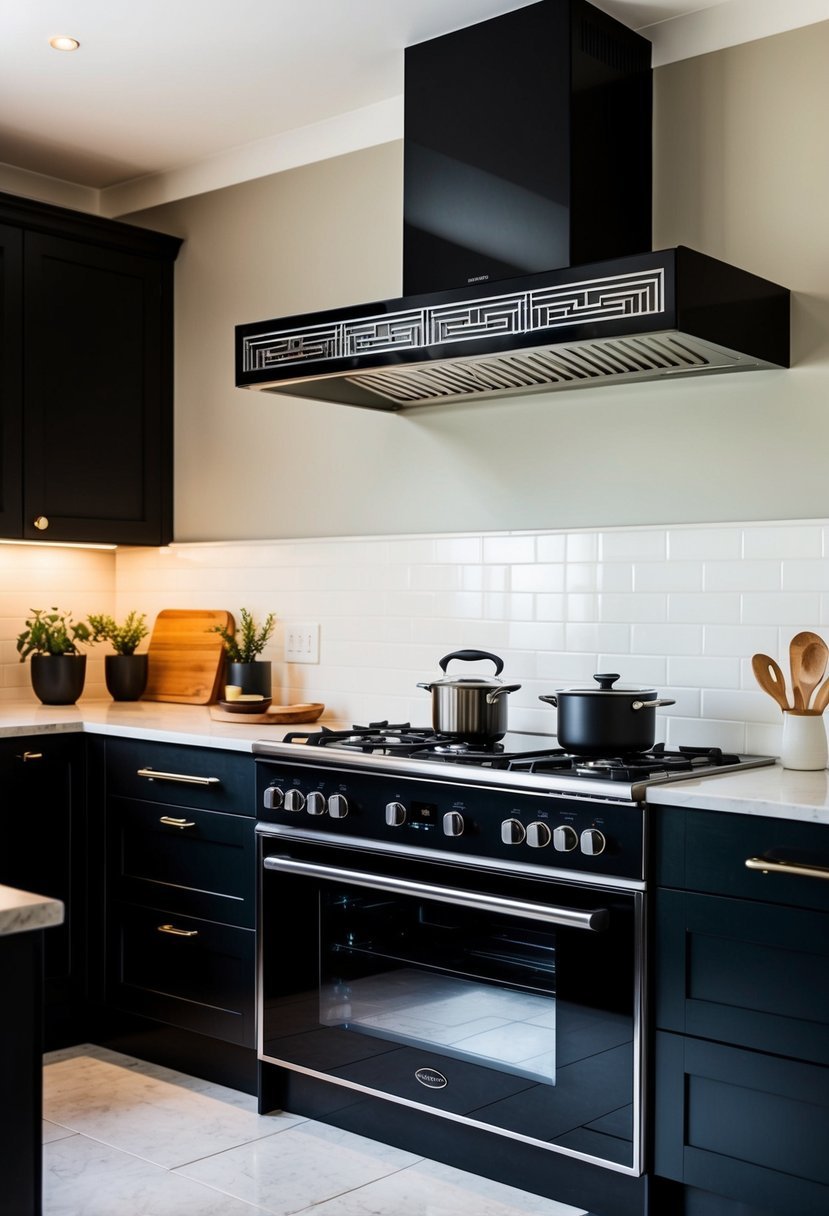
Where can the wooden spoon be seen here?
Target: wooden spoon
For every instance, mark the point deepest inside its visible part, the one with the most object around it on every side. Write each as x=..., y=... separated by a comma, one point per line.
x=808, y=654
x=770, y=678
x=821, y=698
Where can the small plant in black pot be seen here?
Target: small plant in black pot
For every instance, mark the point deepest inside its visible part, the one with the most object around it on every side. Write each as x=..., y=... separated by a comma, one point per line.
x=244, y=670
x=58, y=667
x=125, y=671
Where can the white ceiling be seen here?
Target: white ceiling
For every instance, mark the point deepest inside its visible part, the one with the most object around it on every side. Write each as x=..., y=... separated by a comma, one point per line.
x=168, y=97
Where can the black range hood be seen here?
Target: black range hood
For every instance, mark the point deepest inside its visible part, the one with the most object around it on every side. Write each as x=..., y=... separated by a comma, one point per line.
x=527, y=230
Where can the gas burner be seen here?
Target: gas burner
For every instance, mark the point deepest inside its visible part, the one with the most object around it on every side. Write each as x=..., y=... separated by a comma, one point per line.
x=386, y=738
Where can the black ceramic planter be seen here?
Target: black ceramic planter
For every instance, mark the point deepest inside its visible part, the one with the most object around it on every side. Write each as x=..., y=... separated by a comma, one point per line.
x=58, y=679
x=126, y=675
x=250, y=677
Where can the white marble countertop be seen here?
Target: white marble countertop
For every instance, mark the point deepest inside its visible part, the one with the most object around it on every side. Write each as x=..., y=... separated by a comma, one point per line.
x=772, y=791
x=167, y=723
x=22, y=911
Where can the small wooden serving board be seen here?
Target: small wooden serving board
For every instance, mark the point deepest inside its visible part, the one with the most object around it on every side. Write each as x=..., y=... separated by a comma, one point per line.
x=185, y=658
x=274, y=716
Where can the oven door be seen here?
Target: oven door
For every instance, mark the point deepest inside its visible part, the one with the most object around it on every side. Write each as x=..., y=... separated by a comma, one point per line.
x=506, y=1001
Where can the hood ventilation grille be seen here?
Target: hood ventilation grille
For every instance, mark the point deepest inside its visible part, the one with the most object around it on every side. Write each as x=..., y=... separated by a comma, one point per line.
x=556, y=367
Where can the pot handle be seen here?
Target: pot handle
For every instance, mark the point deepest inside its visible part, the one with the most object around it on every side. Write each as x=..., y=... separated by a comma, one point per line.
x=428, y=687
x=550, y=699
x=471, y=656
x=494, y=693
x=652, y=704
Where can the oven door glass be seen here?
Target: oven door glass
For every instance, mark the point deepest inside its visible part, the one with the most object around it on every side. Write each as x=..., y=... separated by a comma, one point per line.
x=511, y=1003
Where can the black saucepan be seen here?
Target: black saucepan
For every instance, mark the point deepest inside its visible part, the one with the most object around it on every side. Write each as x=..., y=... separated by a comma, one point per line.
x=606, y=721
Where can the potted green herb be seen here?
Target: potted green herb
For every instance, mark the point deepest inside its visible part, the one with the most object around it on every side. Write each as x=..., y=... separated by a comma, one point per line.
x=125, y=671
x=58, y=667
x=243, y=668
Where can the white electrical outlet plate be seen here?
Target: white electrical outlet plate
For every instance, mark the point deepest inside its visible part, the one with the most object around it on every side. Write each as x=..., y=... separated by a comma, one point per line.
x=302, y=642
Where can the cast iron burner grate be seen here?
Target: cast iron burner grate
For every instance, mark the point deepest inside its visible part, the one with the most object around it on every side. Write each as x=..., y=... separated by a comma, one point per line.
x=423, y=743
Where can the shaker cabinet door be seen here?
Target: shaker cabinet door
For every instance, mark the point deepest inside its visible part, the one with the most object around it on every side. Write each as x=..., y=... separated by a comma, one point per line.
x=96, y=424
x=11, y=384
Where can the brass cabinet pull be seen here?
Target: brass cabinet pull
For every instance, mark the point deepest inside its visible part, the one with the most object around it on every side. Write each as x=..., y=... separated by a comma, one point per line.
x=177, y=823
x=178, y=932
x=786, y=867
x=184, y=778
x=31, y=756
x=41, y=523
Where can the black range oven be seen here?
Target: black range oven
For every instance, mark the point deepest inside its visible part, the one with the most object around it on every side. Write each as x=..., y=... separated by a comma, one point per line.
x=458, y=936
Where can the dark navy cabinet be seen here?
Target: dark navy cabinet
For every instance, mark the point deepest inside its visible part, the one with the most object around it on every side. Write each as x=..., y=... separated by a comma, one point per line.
x=741, y=1001
x=179, y=908
x=43, y=848
x=86, y=337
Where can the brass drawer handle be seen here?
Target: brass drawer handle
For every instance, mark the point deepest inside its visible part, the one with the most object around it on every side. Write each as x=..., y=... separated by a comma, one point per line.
x=786, y=867
x=177, y=823
x=31, y=756
x=178, y=932
x=184, y=778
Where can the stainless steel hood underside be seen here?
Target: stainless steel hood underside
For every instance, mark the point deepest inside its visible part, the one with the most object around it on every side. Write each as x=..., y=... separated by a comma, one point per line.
x=647, y=316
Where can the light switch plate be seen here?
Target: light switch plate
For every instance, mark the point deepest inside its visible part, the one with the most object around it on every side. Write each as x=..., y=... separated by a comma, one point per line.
x=302, y=642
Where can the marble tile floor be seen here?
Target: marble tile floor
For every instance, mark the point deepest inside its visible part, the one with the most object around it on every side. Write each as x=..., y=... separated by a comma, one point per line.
x=125, y=1138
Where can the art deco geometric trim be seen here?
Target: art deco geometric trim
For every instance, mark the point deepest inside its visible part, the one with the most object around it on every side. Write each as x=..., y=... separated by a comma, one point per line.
x=636, y=294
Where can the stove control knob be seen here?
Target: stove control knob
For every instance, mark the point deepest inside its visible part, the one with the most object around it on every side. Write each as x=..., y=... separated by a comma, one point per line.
x=395, y=814
x=565, y=839
x=538, y=835
x=294, y=800
x=273, y=798
x=315, y=803
x=453, y=824
x=512, y=831
x=338, y=806
x=593, y=842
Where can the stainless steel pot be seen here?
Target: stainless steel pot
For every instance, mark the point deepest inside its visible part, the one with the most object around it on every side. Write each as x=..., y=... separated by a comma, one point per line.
x=470, y=707
x=606, y=721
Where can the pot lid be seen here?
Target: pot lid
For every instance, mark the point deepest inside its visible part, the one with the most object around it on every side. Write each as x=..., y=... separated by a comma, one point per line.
x=470, y=656
x=606, y=680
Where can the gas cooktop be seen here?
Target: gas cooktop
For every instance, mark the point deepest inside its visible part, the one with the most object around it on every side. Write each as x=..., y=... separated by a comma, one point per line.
x=524, y=759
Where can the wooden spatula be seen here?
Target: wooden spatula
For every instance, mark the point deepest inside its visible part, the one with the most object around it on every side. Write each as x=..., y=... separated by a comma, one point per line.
x=770, y=678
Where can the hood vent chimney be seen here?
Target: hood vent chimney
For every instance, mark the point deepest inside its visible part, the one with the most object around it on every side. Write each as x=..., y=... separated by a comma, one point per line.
x=526, y=237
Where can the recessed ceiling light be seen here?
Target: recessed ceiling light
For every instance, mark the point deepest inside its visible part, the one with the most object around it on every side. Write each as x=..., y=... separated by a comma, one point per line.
x=63, y=43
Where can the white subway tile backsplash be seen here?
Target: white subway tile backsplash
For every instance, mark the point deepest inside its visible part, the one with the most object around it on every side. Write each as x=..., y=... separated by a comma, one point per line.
x=703, y=671
x=509, y=549
x=634, y=608
x=707, y=609
x=551, y=548
x=680, y=609
x=795, y=608
x=667, y=576
x=739, y=640
x=781, y=541
x=645, y=544
x=704, y=544
x=744, y=576
x=802, y=575
x=667, y=639
x=539, y=577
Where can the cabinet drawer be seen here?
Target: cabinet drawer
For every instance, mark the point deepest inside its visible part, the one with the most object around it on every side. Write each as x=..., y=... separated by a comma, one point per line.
x=186, y=776
x=186, y=972
x=743, y=973
x=751, y=1127
x=707, y=851
x=201, y=863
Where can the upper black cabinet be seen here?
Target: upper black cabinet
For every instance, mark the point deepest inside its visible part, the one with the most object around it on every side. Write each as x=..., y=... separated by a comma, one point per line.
x=87, y=341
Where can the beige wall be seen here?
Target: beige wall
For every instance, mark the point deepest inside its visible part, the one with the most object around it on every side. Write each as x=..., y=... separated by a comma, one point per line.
x=740, y=172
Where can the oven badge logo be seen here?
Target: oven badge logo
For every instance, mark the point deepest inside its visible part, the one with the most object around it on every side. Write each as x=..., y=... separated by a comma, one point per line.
x=431, y=1078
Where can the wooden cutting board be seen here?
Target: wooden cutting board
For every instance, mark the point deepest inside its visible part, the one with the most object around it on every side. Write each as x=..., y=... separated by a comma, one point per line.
x=185, y=660
x=275, y=715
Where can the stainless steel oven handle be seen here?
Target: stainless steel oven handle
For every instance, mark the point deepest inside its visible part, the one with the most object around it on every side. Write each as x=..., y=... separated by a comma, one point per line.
x=570, y=918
